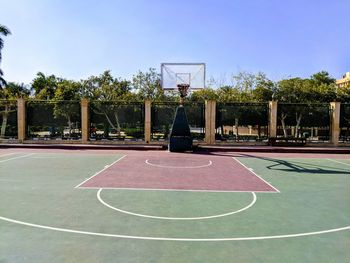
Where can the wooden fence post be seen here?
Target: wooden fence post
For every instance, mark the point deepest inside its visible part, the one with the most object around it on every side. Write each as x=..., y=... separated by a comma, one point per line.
x=273, y=119
x=85, y=120
x=335, y=123
x=148, y=105
x=210, y=118
x=21, y=119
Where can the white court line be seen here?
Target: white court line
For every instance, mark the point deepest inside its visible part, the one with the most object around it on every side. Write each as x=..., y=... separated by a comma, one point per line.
x=175, y=238
x=7, y=154
x=251, y=170
x=182, y=167
x=106, y=167
x=338, y=162
x=18, y=157
x=173, y=190
x=44, y=157
x=175, y=218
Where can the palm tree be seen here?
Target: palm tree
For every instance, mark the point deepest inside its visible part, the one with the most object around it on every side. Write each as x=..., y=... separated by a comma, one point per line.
x=2, y=81
x=4, y=31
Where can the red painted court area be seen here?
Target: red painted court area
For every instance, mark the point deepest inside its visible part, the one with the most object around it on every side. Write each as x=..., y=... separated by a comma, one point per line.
x=178, y=171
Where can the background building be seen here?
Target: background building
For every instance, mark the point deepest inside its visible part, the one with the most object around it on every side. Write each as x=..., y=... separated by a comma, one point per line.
x=344, y=81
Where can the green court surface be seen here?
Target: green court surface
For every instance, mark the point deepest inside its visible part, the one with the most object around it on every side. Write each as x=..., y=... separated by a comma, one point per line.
x=45, y=218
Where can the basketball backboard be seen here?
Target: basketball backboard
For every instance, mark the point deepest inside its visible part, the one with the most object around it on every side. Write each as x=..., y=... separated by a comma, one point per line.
x=174, y=74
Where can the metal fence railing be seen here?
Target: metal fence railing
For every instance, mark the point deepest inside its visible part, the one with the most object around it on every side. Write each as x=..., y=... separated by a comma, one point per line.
x=311, y=121
x=53, y=120
x=242, y=122
x=117, y=120
x=344, y=126
x=163, y=114
x=125, y=121
x=8, y=119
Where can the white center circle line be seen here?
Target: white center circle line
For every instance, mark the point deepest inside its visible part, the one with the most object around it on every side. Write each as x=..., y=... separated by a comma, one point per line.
x=175, y=218
x=182, y=167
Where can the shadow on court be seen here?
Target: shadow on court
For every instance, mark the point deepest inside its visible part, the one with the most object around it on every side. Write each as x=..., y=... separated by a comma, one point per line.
x=287, y=165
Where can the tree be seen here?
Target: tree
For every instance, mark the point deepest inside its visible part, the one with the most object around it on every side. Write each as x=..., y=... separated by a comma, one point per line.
x=147, y=85
x=104, y=89
x=4, y=31
x=228, y=94
x=66, y=98
x=319, y=88
x=322, y=77
x=203, y=95
x=264, y=88
x=9, y=94
x=343, y=93
x=246, y=87
x=294, y=90
x=244, y=81
x=44, y=87
x=323, y=87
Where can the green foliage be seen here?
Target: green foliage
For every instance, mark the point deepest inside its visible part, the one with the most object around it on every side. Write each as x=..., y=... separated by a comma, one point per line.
x=105, y=87
x=246, y=87
x=13, y=91
x=292, y=90
x=322, y=78
x=44, y=87
x=147, y=85
x=203, y=95
x=4, y=31
x=8, y=106
x=319, y=88
x=66, y=99
x=227, y=93
x=262, y=94
x=67, y=90
x=343, y=93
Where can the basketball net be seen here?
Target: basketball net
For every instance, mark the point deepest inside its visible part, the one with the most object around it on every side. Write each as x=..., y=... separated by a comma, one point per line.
x=183, y=90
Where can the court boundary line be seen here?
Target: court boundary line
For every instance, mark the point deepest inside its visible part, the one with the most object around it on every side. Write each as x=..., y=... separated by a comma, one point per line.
x=18, y=157
x=172, y=190
x=175, y=218
x=97, y=173
x=179, y=167
x=252, y=171
x=175, y=238
x=336, y=161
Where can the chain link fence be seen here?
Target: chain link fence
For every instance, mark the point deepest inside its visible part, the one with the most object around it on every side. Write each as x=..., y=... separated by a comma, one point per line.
x=311, y=121
x=8, y=119
x=344, y=123
x=236, y=122
x=163, y=114
x=117, y=120
x=57, y=120
x=120, y=120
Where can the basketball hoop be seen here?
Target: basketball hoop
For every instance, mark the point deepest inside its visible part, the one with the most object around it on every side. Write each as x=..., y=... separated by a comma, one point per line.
x=183, y=77
x=183, y=89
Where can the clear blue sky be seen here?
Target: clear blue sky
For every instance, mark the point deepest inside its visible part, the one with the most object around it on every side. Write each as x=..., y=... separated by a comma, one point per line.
x=78, y=38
